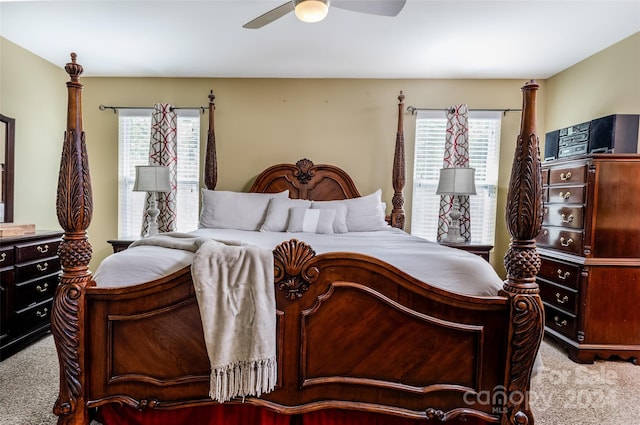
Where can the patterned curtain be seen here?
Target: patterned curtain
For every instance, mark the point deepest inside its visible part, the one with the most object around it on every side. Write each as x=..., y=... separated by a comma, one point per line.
x=163, y=150
x=456, y=154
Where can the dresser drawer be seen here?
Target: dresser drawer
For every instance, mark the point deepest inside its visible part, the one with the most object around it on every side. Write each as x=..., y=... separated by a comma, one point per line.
x=6, y=256
x=568, y=175
x=6, y=278
x=564, y=216
x=561, y=239
x=559, y=296
x=560, y=321
x=37, y=250
x=560, y=273
x=566, y=194
x=36, y=269
x=35, y=290
x=35, y=315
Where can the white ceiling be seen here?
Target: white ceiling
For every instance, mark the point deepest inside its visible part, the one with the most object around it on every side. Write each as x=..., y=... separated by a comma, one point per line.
x=428, y=39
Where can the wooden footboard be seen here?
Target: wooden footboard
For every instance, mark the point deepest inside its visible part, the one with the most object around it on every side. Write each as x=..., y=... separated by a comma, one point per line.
x=352, y=332
x=146, y=344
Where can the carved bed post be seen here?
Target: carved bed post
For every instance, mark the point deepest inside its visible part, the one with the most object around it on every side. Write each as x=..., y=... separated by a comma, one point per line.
x=397, y=214
x=74, y=208
x=522, y=262
x=211, y=162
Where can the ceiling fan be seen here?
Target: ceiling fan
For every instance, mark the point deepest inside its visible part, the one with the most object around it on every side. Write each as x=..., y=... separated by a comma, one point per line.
x=316, y=10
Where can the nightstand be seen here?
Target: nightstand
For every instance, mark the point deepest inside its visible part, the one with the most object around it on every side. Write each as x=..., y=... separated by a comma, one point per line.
x=122, y=243
x=474, y=248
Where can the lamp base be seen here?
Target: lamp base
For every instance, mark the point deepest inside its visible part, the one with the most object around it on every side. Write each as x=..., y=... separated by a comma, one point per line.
x=152, y=212
x=152, y=230
x=453, y=232
x=454, y=239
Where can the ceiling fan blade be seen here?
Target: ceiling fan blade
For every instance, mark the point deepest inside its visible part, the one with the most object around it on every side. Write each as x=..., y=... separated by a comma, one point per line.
x=270, y=16
x=372, y=7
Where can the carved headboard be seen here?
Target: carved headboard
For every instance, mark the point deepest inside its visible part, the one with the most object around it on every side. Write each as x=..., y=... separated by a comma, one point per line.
x=305, y=180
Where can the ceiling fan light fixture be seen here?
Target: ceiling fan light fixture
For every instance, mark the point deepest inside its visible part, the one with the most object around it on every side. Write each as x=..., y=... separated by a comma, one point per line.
x=311, y=10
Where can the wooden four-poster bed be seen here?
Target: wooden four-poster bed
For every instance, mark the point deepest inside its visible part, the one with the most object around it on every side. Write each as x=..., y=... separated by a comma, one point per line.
x=355, y=336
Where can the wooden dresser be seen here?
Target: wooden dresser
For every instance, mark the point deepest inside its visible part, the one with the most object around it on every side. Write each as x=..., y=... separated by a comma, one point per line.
x=29, y=268
x=590, y=251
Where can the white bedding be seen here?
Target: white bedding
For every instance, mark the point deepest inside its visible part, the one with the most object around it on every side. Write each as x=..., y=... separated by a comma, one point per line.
x=447, y=268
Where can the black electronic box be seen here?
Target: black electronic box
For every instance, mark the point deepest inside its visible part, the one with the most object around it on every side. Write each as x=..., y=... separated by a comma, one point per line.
x=611, y=134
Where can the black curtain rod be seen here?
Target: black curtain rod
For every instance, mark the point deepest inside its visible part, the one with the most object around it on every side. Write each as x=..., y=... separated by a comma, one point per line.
x=175, y=108
x=412, y=110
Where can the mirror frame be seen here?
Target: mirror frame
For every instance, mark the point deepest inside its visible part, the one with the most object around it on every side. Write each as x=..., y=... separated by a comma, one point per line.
x=7, y=188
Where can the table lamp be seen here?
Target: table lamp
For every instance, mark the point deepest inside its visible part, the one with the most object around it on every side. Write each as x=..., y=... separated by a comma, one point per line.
x=152, y=179
x=454, y=182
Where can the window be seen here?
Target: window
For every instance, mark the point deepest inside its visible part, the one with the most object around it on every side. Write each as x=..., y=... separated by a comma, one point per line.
x=484, y=148
x=134, y=137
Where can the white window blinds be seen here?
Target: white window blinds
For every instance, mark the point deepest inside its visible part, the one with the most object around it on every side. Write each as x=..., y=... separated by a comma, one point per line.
x=484, y=147
x=134, y=135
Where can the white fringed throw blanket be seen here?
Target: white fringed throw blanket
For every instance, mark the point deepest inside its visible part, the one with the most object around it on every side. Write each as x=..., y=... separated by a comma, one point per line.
x=234, y=288
x=177, y=240
x=236, y=297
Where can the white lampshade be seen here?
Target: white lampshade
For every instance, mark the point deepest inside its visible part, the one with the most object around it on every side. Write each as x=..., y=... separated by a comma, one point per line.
x=311, y=10
x=152, y=178
x=457, y=181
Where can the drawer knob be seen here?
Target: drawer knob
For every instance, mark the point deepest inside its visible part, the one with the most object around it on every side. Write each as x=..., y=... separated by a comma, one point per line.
x=561, y=300
x=564, y=275
x=42, y=313
x=42, y=267
x=566, y=219
x=565, y=242
x=545, y=232
x=3, y=257
x=559, y=323
x=42, y=249
x=564, y=176
x=42, y=288
x=565, y=195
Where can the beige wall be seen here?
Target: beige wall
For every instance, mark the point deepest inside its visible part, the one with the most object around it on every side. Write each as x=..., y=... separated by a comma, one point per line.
x=32, y=91
x=351, y=123
x=603, y=84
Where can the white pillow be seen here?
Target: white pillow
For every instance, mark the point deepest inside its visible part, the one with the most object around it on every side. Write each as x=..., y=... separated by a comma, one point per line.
x=235, y=210
x=278, y=213
x=308, y=220
x=340, y=219
x=365, y=213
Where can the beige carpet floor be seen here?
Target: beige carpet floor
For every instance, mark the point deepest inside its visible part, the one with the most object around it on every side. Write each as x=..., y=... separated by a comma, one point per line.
x=29, y=385
x=567, y=393
x=564, y=393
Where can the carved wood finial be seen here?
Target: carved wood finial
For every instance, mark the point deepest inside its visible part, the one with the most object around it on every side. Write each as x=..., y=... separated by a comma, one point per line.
x=74, y=69
x=399, y=173
x=522, y=262
x=524, y=211
x=211, y=158
x=74, y=208
x=292, y=271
